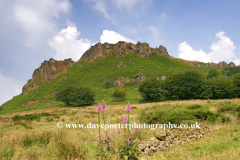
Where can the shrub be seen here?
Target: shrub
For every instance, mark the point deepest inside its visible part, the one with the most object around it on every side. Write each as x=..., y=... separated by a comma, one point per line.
x=176, y=116
x=63, y=95
x=236, y=82
x=82, y=95
x=195, y=106
x=186, y=85
x=1, y=108
x=76, y=94
x=212, y=73
x=119, y=94
x=151, y=89
x=218, y=87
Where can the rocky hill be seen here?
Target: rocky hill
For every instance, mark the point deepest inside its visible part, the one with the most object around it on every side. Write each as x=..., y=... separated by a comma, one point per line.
x=52, y=68
x=48, y=70
x=100, y=51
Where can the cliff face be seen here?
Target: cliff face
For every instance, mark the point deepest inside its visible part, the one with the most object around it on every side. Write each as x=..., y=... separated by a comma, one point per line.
x=220, y=65
x=48, y=70
x=100, y=51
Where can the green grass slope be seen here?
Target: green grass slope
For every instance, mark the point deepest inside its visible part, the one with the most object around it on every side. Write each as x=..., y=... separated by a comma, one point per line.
x=105, y=69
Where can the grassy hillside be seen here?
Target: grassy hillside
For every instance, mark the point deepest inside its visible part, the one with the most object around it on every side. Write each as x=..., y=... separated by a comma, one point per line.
x=94, y=74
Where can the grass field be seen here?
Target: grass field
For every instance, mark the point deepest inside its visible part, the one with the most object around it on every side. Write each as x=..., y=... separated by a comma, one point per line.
x=41, y=139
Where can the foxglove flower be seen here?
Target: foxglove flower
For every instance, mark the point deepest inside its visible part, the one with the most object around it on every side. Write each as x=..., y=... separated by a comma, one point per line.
x=128, y=107
x=133, y=131
x=105, y=138
x=108, y=136
x=99, y=108
x=118, y=130
x=139, y=129
x=128, y=142
x=126, y=119
x=111, y=138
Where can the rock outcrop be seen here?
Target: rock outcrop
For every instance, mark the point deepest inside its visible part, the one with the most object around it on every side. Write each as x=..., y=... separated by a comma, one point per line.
x=220, y=65
x=140, y=77
x=48, y=70
x=163, y=140
x=100, y=51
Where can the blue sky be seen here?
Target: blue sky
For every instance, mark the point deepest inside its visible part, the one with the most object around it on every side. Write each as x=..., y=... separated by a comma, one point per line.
x=34, y=31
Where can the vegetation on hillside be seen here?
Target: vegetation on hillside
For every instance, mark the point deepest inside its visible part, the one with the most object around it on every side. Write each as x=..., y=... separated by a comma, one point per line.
x=100, y=76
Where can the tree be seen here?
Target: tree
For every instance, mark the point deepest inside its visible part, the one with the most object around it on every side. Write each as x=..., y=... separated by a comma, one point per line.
x=186, y=85
x=151, y=89
x=236, y=82
x=229, y=70
x=76, y=94
x=218, y=87
x=63, y=95
x=82, y=95
x=119, y=94
x=212, y=73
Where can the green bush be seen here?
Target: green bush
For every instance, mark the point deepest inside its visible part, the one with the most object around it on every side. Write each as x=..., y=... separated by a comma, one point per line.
x=185, y=85
x=236, y=82
x=30, y=117
x=178, y=115
x=195, y=106
x=76, y=94
x=218, y=87
x=119, y=94
x=212, y=73
x=151, y=89
x=82, y=95
x=63, y=95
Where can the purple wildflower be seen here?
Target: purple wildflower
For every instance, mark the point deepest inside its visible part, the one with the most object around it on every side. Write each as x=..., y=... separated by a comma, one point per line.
x=139, y=129
x=128, y=107
x=105, y=137
x=126, y=119
x=98, y=139
x=111, y=138
x=108, y=136
x=133, y=131
x=128, y=142
x=99, y=108
x=118, y=130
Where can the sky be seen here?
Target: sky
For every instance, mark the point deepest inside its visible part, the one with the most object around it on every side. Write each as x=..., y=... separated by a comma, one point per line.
x=34, y=31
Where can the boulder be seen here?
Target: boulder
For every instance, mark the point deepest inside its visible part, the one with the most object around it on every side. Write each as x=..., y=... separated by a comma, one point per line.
x=140, y=77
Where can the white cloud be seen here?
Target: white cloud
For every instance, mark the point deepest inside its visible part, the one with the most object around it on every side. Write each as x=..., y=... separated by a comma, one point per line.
x=187, y=52
x=8, y=88
x=38, y=17
x=113, y=37
x=154, y=30
x=67, y=45
x=237, y=62
x=221, y=50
